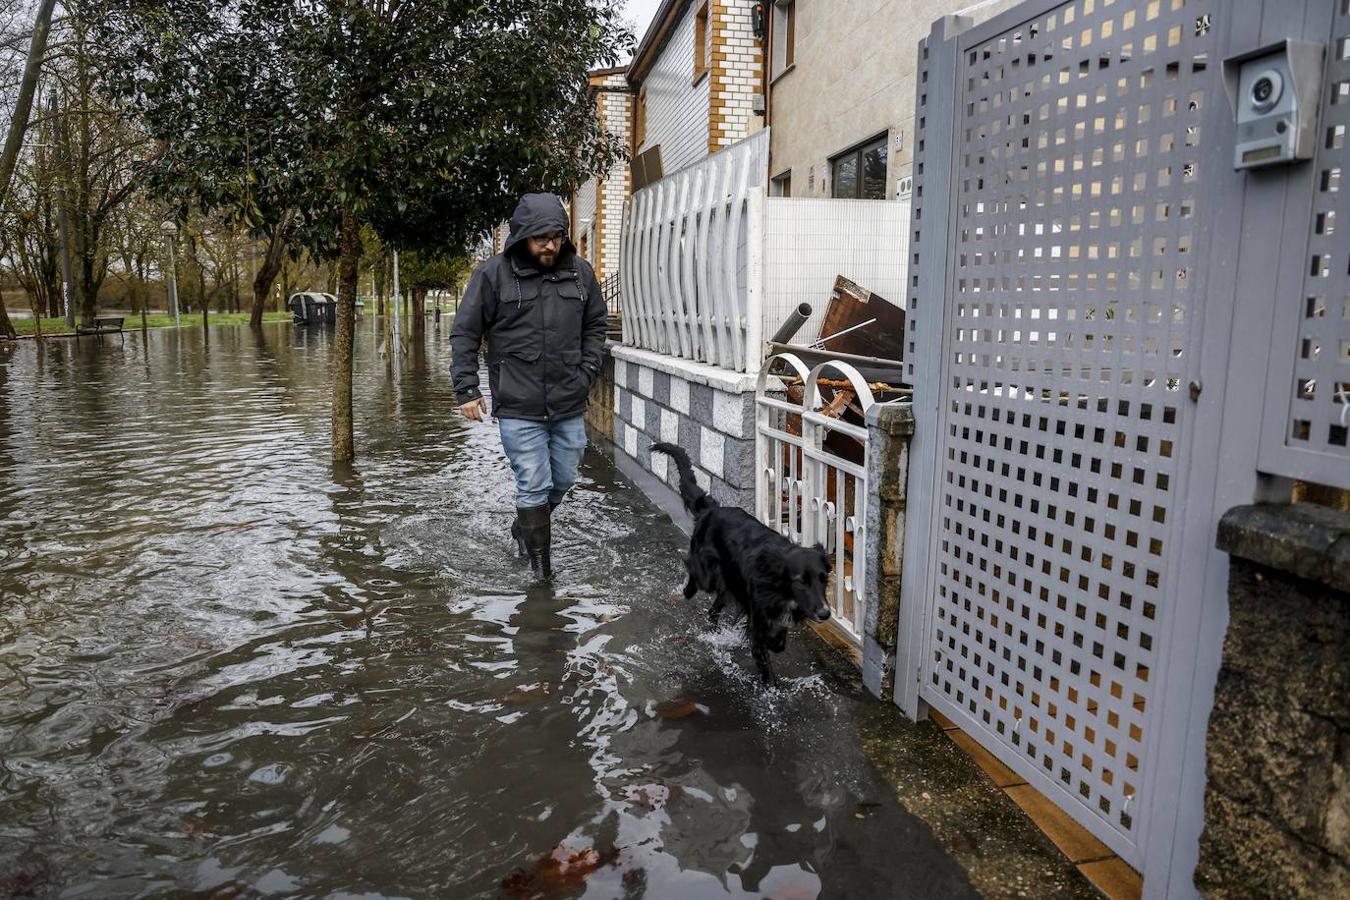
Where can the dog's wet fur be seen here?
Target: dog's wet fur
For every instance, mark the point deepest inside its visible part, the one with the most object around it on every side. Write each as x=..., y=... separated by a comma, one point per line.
x=737, y=559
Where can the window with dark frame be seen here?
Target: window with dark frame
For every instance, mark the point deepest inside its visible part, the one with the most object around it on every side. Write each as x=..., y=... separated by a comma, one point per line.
x=640, y=121
x=701, y=42
x=782, y=184
x=860, y=172
x=784, y=36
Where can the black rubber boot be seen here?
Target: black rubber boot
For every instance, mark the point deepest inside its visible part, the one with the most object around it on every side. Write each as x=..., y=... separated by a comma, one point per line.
x=521, y=550
x=536, y=534
x=516, y=536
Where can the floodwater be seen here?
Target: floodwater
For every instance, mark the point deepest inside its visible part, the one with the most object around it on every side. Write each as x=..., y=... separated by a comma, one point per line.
x=226, y=670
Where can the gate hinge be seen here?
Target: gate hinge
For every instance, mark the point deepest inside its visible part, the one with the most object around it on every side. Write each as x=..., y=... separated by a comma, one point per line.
x=1195, y=388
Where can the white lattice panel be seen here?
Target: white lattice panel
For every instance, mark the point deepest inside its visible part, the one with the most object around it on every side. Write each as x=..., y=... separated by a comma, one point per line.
x=1077, y=212
x=809, y=242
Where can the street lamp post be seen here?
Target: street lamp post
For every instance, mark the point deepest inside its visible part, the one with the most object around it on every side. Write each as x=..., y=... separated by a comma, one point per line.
x=170, y=230
x=67, y=283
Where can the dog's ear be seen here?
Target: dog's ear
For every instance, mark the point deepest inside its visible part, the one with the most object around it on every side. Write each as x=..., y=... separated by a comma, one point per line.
x=825, y=559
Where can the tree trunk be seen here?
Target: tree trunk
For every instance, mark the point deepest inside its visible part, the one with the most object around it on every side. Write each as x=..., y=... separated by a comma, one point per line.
x=88, y=294
x=419, y=303
x=272, y=261
x=35, y=303
x=18, y=123
x=380, y=269
x=343, y=444
x=201, y=284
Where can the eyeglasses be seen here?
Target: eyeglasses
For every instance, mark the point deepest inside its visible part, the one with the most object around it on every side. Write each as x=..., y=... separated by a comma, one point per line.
x=547, y=239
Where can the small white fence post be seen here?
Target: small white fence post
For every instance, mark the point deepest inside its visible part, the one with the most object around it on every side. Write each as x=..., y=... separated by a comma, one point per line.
x=754, y=283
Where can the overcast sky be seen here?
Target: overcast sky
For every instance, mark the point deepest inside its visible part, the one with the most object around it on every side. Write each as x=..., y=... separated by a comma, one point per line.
x=640, y=14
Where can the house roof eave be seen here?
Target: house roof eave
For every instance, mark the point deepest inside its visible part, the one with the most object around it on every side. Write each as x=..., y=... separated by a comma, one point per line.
x=654, y=40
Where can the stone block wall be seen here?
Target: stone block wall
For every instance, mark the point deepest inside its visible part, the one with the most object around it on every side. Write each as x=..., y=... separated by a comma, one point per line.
x=708, y=411
x=600, y=406
x=1277, y=798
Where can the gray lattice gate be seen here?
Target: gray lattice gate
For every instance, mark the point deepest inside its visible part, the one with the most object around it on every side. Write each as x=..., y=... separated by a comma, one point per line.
x=1308, y=393
x=1078, y=259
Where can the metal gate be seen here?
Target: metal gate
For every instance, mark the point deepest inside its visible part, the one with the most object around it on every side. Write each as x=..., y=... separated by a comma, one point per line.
x=1113, y=337
x=804, y=488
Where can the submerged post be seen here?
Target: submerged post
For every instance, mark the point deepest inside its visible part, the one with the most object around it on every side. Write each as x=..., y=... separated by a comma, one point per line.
x=170, y=230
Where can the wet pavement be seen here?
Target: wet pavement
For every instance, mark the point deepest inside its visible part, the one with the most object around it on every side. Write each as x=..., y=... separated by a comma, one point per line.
x=227, y=670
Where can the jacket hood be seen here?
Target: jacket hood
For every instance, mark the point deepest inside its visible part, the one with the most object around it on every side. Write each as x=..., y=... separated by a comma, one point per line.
x=539, y=214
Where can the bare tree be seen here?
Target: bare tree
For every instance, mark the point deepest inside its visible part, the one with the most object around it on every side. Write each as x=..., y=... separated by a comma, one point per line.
x=18, y=121
x=100, y=157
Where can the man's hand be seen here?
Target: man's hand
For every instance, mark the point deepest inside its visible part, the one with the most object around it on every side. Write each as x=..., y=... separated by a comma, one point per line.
x=475, y=410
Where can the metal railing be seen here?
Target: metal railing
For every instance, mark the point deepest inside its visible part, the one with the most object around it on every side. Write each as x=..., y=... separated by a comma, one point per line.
x=805, y=488
x=611, y=291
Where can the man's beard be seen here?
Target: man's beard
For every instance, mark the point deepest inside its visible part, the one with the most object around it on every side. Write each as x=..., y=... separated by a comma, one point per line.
x=546, y=260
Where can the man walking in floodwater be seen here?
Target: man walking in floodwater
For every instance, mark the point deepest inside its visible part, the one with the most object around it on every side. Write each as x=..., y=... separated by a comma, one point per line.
x=539, y=307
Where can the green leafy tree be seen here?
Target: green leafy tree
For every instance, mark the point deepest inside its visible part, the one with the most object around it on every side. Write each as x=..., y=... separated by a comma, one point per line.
x=424, y=120
x=422, y=272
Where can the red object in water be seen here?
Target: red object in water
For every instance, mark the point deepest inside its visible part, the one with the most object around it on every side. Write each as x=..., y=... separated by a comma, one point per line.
x=679, y=708
x=559, y=872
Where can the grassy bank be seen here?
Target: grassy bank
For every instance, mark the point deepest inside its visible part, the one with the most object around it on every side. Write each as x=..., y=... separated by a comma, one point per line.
x=133, y=323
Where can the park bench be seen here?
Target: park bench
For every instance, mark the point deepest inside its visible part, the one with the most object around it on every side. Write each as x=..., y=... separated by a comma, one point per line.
x=100, y=326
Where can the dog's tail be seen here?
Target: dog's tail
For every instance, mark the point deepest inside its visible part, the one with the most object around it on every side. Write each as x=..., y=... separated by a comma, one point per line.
x=696, y=500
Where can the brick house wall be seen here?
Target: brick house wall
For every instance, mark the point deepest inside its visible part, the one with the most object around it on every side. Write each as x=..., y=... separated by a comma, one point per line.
x=676, y=106
x=689, y=113
x=737, y=64
x=597, y=206
x=616, y=111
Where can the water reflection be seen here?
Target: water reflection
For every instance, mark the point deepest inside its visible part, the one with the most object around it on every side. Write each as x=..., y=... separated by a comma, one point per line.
x=225, y=667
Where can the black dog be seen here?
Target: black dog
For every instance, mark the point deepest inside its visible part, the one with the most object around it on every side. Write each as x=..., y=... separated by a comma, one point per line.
x=734, y=556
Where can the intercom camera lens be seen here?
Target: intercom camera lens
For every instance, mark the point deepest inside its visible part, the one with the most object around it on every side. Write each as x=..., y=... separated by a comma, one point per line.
x=1266, y=89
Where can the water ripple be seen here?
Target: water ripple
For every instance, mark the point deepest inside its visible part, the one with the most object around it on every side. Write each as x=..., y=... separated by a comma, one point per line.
x=224, y=668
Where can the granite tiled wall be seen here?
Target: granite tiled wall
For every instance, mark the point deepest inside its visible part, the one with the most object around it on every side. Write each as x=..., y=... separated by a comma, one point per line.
x=708, y=413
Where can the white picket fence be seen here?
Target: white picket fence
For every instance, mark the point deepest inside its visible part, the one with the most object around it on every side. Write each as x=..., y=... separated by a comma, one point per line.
x=691, y=260
x=805, y=490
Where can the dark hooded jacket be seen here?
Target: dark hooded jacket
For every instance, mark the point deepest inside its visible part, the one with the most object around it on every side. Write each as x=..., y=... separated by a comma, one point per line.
x=545, y=329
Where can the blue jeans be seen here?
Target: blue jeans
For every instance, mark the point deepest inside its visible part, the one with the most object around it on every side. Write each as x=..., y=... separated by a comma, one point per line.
x=544, y=457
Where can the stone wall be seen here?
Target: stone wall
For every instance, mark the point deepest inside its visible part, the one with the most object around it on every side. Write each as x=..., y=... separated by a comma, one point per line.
x=600, y=407
x=889, y=429
x=1277, y=801
x=710, y=412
